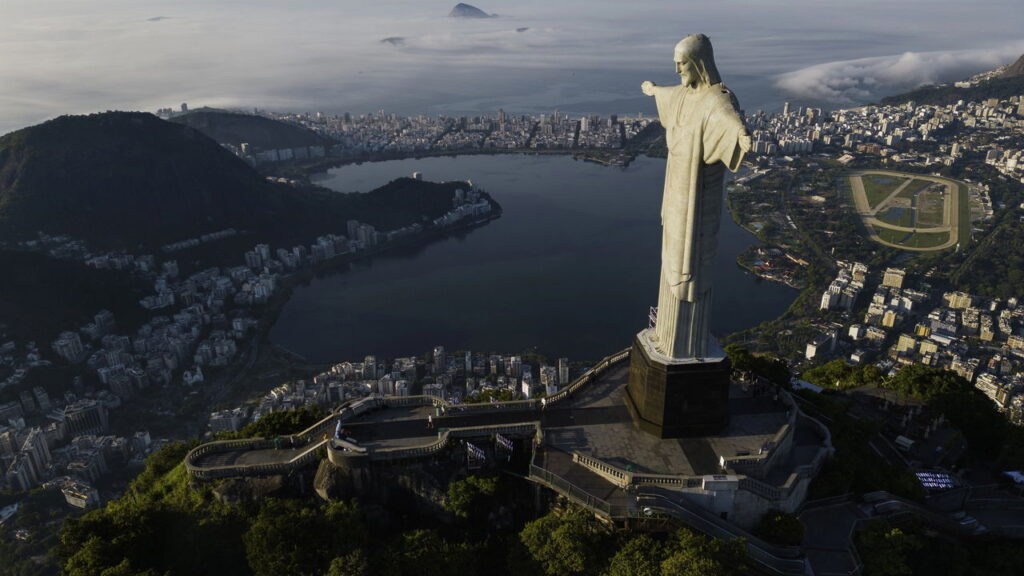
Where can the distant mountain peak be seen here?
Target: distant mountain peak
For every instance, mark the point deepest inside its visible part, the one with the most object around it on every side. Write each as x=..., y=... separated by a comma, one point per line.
x=1014, y=70
x=467, y=11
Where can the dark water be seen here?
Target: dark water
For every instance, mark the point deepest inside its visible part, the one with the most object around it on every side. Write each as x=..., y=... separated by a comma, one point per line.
x=570, y=268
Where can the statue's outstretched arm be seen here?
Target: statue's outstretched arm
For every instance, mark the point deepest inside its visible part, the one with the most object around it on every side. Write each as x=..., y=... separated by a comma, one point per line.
x=648, y=87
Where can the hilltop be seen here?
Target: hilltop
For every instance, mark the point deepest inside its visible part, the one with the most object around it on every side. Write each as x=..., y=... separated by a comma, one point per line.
x=1000, y=83
x=129, y=180
x=257, y=131
x=467, y=11
x=1014, y=70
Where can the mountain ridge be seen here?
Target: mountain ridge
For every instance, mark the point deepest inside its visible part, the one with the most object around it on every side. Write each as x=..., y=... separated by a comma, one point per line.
x=236, y=128
x=124, y=180
x=462, y=10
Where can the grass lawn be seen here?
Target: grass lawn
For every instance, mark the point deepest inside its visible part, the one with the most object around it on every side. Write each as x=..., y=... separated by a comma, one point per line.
x=897, y=216
x=912, y=239
x=930, y=209
x=914, y=187
x=878, y=187
x=964, y=232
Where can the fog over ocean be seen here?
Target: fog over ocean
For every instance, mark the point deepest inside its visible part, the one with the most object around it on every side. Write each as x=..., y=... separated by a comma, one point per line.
x=69, y=56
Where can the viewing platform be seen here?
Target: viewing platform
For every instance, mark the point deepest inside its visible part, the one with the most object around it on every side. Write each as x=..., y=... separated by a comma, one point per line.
x=583, y=444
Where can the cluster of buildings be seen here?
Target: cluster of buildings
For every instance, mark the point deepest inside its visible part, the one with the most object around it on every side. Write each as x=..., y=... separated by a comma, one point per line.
x=255, y=155
x=842, y=292
x=979, y=339
x=381, y=133
x=201, y=323
x=460, y=377
x=878, y=131
x=67, y=448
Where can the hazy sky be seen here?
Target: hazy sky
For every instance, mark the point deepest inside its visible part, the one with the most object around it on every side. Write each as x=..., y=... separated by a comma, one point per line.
x=78, y=56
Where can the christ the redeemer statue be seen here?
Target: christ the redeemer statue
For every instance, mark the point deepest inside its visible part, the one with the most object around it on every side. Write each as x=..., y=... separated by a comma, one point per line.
x=705, y=135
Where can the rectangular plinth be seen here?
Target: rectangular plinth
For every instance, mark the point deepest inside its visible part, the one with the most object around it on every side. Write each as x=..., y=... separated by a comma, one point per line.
x=675, y=398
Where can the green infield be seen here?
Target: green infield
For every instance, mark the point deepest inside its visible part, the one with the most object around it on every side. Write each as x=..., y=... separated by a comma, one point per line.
x=912, y=239
x=897, y=216
x=914, y=187
x=878, y=187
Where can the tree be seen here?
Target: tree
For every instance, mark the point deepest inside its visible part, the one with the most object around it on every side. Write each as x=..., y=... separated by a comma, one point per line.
x=886, y=550
x=423, y=552
x=691, y=554
x=354, y=563
x=572, y=543
x=765, y=366
x=839, y=374
x=468, y=497
x=925, y=383
x=639, y=556
x=291, y=537
x=780, y=528
x=286, y=422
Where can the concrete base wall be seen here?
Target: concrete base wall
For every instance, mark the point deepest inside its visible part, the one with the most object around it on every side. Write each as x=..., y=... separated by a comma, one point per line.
x=750, y=507
x=677, y=399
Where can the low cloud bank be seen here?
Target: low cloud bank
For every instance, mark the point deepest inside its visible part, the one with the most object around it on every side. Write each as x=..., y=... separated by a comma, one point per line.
x=857, y=81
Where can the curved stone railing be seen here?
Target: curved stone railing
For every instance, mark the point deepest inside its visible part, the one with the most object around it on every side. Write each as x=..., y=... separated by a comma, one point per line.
x=570, y=491
x=624, y=478
x=304, y=457
x=587, y=377
x=320, y=432
x=404, y=453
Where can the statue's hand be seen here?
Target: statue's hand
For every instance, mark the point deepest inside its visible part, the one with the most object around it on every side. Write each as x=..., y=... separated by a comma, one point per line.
x=745, y=142
x=648, y=87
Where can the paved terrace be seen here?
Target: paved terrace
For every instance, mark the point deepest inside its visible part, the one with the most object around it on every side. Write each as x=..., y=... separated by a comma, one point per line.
x=595, y=422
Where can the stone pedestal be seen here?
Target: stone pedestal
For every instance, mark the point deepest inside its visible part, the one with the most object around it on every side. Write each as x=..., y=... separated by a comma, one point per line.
x=672, y=397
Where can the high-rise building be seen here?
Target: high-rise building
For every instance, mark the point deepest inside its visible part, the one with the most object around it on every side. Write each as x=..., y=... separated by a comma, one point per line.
x=515, y=367
x=27, y=403
x=69, y=346
x=958, y=300
x=370, y=367
x=80, y=495
x=42, y=398
x=785, y=109
x=893, y=277
x=20, y=475
x=85, y=417
x=440, y=361
x=38, y=453
x=563, y=371
x=10, y=411
x=8, y=442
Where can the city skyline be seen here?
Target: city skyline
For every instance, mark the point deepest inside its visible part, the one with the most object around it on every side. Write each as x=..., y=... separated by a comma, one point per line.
x=414, y=59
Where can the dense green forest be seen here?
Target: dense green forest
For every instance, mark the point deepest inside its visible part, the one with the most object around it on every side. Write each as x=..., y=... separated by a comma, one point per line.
x=996, y=269
x=41, y=296
x=257, y=131
x=164, y=525
x=129, y=180
x=903, y=548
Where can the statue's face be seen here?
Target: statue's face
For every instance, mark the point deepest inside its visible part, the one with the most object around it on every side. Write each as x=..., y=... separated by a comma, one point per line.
x=687, y=72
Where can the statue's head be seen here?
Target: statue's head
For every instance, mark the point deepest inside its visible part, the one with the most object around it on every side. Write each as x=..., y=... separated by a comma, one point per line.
x=695, y=61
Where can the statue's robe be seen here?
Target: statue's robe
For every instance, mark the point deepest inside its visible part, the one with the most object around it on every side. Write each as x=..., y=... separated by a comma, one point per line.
x=705, y=135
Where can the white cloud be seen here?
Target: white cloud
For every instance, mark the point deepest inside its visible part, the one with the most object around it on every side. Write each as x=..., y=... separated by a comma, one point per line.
x=74, y=56
x=856, y=81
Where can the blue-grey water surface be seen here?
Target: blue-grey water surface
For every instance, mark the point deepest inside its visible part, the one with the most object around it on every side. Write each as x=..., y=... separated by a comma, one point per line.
x=570, y=269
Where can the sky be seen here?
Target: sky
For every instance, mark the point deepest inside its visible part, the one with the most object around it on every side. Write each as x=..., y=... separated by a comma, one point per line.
x=78, y=56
